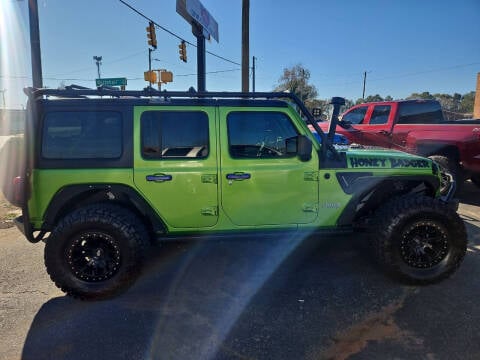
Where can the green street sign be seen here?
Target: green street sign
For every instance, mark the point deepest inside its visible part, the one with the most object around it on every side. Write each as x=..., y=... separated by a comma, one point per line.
x=111, y=82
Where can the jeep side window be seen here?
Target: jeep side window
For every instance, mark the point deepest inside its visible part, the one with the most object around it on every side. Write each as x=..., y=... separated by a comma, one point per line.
x=82, y=135
x=174, y=134
x=380, y=115
x=356, y=116
x=420, y=113
x=259, y=134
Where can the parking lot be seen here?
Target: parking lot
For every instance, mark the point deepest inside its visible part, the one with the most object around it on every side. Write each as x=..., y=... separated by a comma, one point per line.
x=287, y=298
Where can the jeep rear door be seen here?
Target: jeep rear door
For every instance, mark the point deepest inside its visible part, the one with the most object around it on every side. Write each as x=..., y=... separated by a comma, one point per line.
x=262, y=184
x=175, y=163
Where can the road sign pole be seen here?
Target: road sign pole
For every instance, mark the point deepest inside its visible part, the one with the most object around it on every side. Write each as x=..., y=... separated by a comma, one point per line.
x=203, y=25
x=197, y=30
x=150, y=62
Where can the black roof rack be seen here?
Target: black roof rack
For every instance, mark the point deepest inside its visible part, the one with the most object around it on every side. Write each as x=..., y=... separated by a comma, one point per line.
x=77, y=91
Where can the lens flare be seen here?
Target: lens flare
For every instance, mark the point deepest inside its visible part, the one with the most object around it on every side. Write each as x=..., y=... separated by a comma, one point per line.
x=14, y=76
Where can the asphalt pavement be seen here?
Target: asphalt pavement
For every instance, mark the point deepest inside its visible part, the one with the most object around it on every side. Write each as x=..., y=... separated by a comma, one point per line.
x=289, y=298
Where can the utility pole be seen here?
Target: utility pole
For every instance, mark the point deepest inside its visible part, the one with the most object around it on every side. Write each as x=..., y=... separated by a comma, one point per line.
x=35, y=44
x=245, y=43
x=98, y=60
x=253, y=74
x=364, y=82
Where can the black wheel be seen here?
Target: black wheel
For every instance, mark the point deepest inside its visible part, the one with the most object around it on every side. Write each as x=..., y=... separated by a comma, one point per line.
x=450, y=166
x=476, y=179
x=96, y=251
x=418, y=239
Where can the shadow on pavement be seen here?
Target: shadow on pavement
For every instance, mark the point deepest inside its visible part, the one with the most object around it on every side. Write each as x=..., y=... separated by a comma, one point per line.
x=192, y=296
x=266, y=298
x=469, y=194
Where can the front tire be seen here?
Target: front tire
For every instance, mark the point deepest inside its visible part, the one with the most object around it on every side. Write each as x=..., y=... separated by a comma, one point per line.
x=96, y=251
x=419, y=240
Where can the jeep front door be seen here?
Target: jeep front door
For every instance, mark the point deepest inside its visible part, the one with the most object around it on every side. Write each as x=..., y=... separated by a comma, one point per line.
x=262, y=182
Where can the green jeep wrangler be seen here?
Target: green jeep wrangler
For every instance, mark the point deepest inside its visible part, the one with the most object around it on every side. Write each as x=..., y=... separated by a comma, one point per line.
x=107, y=172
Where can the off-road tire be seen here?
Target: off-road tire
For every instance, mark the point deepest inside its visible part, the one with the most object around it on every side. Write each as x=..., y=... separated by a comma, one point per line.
x=450, y=166
x=95, y=252
x=418, y=240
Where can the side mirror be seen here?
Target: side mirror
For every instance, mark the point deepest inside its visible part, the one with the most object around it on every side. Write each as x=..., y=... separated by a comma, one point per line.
x=299, y=145
x=304, y=148
x=345, y=124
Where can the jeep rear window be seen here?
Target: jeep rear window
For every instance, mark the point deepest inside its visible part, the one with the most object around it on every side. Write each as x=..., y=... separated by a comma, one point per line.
x=82, y=135
x=174, y=134
x=259, y=134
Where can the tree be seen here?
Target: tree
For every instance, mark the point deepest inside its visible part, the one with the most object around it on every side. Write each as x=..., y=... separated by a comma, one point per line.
x=323, y=105
x=424, y=95
x=372, y=98
x=467, y=102
x=295, y=80
x=446, y=101
x=348, y=104
x=359, y=101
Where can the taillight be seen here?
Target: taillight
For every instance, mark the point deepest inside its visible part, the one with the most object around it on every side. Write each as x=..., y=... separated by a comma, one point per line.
x=476, y=133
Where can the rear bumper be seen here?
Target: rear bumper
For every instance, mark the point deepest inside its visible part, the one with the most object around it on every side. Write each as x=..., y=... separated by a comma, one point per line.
x=26, y=230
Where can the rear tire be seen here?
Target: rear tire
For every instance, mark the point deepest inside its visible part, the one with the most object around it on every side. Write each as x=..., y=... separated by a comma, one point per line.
x=450, y=166
x=418, y=240
x=96, y=251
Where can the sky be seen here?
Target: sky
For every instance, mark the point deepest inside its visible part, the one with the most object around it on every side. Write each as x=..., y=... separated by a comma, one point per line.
x=405, y=46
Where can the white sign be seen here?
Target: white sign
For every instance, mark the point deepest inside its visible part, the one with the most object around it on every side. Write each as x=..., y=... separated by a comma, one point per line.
x=196, y=11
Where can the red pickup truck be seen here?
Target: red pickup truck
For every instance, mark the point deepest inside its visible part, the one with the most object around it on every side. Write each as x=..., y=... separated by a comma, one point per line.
x=418, y=127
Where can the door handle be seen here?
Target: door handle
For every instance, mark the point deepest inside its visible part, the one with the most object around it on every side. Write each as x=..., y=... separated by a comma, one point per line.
x=238, y=176
x=383, y=132
x=159, y=177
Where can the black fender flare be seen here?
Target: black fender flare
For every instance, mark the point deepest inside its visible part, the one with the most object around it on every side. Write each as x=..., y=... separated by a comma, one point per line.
x=362, y=184
x=73, y=196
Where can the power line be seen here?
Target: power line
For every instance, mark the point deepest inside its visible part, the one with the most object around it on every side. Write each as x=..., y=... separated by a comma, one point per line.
x=399, y=76
x=173, y=34
x=425, y=72
x=210, y=72
x=131, y=79
x=107, y=63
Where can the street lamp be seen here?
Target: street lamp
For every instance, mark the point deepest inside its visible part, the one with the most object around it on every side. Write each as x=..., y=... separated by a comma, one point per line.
x=98, y=60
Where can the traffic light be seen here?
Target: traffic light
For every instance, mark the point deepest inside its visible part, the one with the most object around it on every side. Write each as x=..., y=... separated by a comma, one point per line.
x=166, y=76
x=152, y=37
x=150, y=76
x=182, y=50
